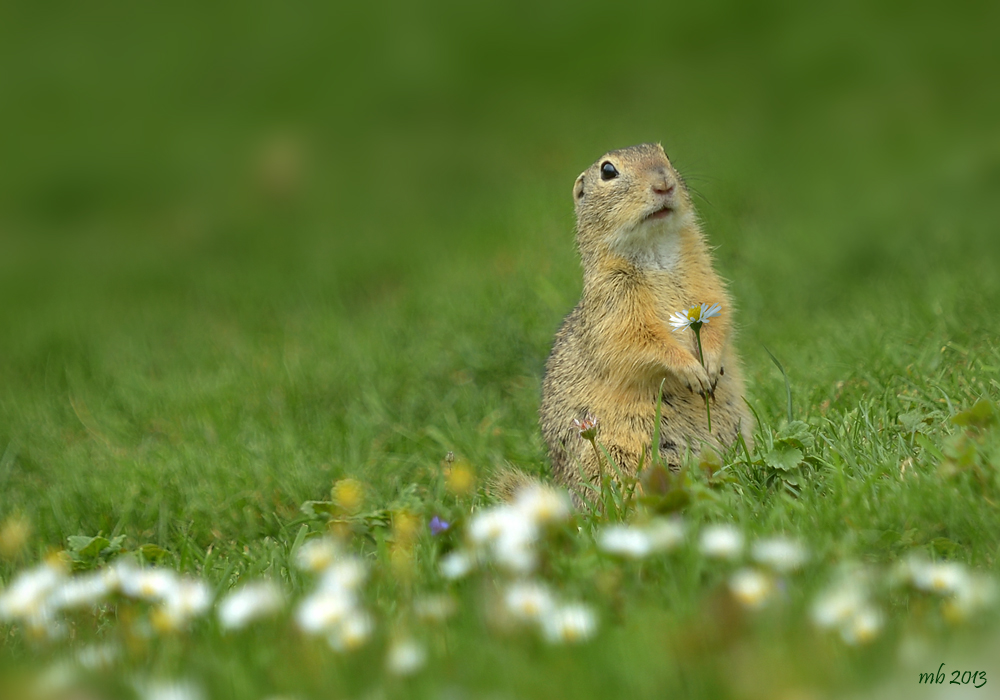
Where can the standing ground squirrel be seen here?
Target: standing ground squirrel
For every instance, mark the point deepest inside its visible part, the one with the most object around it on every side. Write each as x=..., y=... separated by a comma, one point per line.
x=644, y=258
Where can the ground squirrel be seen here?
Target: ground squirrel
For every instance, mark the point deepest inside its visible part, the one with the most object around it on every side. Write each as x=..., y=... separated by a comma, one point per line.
x=644, y=258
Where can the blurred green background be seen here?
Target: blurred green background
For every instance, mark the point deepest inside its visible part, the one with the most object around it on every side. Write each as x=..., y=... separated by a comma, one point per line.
x=246, y=248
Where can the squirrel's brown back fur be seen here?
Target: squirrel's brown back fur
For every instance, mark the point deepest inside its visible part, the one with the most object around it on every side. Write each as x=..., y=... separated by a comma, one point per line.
x=644, y=258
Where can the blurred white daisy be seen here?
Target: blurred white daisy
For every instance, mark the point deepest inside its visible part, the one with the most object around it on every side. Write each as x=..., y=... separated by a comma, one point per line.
x=175, y=690
x=250, y=602
x=405, y=657
x=84, y=591
x=863, y=626
x=569, y=623
x=352, y=632
x=323, y=610
x=28, y=593
x=664, y=534
x=316, y=555
x=515, y=555
x=188, y=599
x=721, y=542
x=456, y=564
x=489, y=525
x=43, y=624
x=781, y=554
x=506, y=534
x=528, y=601
x=543, y=505
x=838, y=605
x=977, y=593
x=346, y=574
x=695, y=316
x=624, y=541
x=943, y=578
x=750, y=587
x=150, y=584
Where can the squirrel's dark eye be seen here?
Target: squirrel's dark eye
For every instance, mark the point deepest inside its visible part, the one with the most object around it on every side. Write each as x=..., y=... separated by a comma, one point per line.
x=608, y=171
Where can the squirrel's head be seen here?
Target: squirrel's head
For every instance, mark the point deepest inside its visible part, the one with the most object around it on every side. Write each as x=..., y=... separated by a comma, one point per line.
x=628, y=199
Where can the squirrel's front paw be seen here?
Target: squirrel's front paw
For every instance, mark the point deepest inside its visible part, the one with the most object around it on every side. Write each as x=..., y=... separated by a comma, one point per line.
x=714, y=370
x=695, y=378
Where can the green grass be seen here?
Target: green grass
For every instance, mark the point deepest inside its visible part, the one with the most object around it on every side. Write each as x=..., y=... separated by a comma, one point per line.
x=197, y=339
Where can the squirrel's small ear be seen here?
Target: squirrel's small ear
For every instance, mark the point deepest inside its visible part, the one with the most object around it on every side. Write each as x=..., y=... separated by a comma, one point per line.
x=578, y=187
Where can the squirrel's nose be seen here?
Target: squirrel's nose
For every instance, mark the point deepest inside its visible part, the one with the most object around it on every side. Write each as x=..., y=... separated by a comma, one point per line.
x=663, y=186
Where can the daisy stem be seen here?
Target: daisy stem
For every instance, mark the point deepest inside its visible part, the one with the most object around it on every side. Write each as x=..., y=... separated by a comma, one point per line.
x=597, y=453
x=701, y=358
x=600, y=472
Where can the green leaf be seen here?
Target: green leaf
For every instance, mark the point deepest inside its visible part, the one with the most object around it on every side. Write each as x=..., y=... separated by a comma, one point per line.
x=153, y=553
x=87, y=547
x=670, y=502
x=115, y=546
x=796, y=433
x=784, y=459
x=982, y=414
x=314, y=508
x=943, y=547
x=911, y=421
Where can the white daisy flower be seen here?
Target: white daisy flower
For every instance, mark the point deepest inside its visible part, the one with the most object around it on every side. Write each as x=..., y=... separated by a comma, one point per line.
x=177, y=690
x=694, y=317
x=84, y=591
x=863, y=626
x=189, y=598
x=977, y=593
x=405, y=657
x=721, y=542
x=353, y=632
x=780, y=554
x=28, y=593
x=456, y=564
x=569, y=623
x=346, y=574
x=943, y=578
x=664, y=534
x=43, y=624
x=507, y=535
x=316, y=555
x=838, y=605
x=528, y=601
x=624, y=541
x=489, y=525
x=150, y=584
x=323, y=610
x=515, y=555
x=543, y=505
x=250, y=602
x=751, y=587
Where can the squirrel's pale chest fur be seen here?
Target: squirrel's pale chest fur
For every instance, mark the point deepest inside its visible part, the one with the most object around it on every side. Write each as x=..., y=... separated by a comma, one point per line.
x=644, y=258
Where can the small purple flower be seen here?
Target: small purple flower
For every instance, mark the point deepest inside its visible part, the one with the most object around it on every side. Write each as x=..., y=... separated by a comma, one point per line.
x=437, y=525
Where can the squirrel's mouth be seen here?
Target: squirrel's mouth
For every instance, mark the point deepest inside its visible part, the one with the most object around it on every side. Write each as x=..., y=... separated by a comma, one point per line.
x=661, y=213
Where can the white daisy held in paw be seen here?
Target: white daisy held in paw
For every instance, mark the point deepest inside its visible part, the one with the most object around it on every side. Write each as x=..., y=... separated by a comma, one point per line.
x=695, y=317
